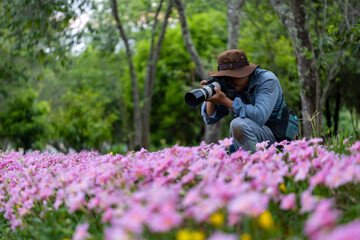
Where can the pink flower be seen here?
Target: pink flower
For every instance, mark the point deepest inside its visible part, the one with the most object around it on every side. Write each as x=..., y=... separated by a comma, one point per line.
x=163, y=222
x=75, y=201
x=233, y=219
x=288, y=202
x=107, y=216
x=322, y=219
x=223, y=236
x=346, y=140
x=116, y=233
x=262, y=145
x=315, y=141
x=16, y=223
x=204, y=208
x=81, y=232
x=355, y=147
x=252, y=203
x=134, y=219
x=192, y=196
x=226, y=142
x=350, y=231
x=336, y=177
x=301, y=170
x=308, y=202
x=318, y=178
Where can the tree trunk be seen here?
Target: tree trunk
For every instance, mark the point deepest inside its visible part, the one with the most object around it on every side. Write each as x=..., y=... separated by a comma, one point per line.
x=294, y=20
x=212, y=132
x=187, y=38
x=135, y=91
x=151, y=72
x=233, y=23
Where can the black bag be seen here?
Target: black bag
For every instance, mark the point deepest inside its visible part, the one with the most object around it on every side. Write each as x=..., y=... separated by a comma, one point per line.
x=285, y=126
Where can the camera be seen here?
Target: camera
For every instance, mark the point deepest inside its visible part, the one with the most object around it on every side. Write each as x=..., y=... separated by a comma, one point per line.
x=197, y=96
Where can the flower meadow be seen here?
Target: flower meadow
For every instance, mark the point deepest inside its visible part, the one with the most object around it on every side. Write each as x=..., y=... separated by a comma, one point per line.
x=289, y=190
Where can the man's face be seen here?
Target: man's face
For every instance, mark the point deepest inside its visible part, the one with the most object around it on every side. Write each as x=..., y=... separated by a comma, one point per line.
x=240, y=83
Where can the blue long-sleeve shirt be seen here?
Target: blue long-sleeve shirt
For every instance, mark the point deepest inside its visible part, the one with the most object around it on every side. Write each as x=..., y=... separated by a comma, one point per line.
x=261, y=101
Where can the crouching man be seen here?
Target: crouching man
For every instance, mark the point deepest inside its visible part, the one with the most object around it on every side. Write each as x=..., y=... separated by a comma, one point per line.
x=257, y=104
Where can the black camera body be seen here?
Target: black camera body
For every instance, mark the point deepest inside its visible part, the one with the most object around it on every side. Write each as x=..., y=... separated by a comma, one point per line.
x=195, y=97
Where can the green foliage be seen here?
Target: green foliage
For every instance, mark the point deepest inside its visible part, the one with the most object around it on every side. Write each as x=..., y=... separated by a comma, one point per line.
x=95, y=79
x=35, y=52
x=266, y=43
x=176, y=74
x=82, y=122
x=23, y=121
x=44, y=223
x=38, y=26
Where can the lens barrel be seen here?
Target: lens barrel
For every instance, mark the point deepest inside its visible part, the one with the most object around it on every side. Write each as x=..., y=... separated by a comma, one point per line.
x=197, y=96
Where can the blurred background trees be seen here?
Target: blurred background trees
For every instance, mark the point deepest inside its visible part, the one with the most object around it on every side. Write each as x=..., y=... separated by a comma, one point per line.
x=65, y=81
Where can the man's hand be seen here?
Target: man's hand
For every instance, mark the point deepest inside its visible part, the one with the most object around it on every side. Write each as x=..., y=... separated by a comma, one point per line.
x=218, y=98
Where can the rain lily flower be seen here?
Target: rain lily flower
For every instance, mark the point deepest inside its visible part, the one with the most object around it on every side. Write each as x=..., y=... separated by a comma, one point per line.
x=160, y=191
x=226, y=142
x=223, y=236
x=288, y=202
x=322, y=218
x=350, y=231
x=81, y=232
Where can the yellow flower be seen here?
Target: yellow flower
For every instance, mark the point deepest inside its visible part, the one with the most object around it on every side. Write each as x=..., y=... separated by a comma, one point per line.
x=217, y=219
x=198, y=235
x=265, y=220
x=183, y=235
x=245, y=236
x=111, y=153
x=282, y=187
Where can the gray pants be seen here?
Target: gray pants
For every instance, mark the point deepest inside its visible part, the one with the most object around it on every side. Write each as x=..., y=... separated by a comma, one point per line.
x=247, y=134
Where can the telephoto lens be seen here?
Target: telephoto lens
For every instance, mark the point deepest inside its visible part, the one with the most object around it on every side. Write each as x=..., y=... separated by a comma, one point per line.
x=197, y=96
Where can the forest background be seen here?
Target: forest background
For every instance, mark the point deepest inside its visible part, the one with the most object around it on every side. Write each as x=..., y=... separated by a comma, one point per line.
x=111, y=75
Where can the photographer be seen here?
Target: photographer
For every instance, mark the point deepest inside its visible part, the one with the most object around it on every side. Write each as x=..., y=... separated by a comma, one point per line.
x=256, y=105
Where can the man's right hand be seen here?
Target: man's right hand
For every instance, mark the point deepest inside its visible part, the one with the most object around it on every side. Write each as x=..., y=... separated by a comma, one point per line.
x=218, y=98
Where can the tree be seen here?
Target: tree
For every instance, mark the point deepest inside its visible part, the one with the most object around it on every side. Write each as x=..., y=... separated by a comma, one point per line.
x=153, y=58
x=212, y=132
x=171, y=118
x=295, y=21
x=233, y=22
x=142, y=115
x=32, y=35
x=40, y=27
x=138, y=127
x=321, y=56
x=82, y=122
x=23, y=121
x=337, y=35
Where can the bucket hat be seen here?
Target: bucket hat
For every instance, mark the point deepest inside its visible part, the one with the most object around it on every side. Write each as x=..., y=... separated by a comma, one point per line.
x=233, y=63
